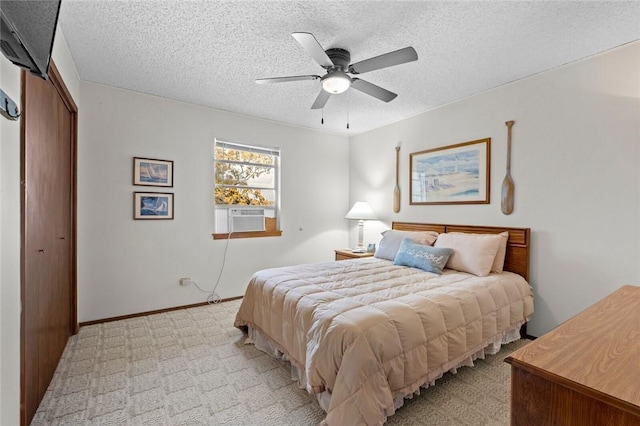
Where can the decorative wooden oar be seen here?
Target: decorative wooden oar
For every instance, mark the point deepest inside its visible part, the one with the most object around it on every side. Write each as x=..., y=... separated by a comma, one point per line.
x=396, y=189
x=507, y=183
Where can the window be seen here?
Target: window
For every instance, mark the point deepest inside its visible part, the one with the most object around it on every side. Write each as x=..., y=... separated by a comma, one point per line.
x=246, y=190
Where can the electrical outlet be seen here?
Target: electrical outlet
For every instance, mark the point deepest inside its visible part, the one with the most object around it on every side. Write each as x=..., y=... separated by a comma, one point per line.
x=185, y=281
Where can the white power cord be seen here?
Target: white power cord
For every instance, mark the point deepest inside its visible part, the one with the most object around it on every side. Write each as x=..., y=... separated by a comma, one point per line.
x=213, y=296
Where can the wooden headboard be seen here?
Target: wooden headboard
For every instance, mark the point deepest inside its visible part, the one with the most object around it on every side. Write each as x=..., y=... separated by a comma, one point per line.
x=517, y=259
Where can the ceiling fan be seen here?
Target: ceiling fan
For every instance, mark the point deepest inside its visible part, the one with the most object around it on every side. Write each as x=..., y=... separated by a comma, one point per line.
x=336, y=62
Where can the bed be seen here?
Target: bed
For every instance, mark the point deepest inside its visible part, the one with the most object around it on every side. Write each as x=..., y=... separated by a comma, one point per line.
x=364, y=334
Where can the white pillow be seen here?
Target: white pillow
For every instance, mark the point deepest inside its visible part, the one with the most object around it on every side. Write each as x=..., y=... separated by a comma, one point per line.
x=473, y=253
x=391, y=239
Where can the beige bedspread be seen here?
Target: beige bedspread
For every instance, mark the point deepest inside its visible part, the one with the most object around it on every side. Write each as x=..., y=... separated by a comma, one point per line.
x=369, y=331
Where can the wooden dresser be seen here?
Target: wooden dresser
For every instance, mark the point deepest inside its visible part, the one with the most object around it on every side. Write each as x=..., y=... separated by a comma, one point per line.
x=584, y=372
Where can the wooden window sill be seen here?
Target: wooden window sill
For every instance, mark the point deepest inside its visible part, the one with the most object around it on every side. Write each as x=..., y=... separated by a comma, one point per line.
x=255, y=234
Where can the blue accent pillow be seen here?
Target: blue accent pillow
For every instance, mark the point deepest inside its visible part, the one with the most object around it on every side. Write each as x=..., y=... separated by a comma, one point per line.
x=427, y=258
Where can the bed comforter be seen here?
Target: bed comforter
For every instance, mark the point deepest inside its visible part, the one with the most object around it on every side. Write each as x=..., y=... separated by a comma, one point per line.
x=368, y=331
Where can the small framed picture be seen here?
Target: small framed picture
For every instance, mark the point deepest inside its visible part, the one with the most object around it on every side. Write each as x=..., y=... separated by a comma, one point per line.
x=150, y=172
x=152, y=205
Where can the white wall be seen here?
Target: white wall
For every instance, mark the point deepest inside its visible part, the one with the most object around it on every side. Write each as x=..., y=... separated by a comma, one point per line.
x=10, y=229
x=127, y=266
x=575, y=157
x=9, y=250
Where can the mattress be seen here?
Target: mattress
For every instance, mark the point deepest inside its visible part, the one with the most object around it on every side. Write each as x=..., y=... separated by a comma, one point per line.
x=366, y=331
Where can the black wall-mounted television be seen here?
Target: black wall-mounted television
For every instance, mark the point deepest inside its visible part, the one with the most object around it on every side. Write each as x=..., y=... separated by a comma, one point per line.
x=28, y=28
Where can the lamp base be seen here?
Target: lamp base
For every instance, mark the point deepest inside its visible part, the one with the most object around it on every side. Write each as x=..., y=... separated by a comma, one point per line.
x=358, y=250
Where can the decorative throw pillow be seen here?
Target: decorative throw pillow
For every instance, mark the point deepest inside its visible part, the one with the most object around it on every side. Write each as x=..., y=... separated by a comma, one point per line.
x=391, y=239
x=427, y=258
x=473, y=253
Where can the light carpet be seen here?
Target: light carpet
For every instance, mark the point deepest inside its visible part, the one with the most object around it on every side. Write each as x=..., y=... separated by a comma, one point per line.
x=191, y=367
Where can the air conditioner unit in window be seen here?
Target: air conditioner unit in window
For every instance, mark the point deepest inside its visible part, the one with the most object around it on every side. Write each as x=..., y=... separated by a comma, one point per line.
x=246, y=220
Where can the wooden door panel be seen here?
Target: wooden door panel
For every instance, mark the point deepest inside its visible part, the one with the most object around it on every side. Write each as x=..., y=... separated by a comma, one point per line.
x=37, y=244
x=60, y=208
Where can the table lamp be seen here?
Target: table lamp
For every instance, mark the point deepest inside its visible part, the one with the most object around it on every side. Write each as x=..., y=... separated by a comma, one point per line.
x=360, y=211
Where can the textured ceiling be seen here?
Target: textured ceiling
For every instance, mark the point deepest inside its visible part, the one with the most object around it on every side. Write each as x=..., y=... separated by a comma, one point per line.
x=210, y=52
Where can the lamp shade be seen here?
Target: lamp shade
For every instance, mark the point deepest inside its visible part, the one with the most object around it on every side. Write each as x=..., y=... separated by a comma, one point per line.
x=336, y=82
x=361, y=211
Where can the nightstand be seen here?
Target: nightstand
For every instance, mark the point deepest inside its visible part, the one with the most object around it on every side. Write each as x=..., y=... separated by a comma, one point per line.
x=348, y=254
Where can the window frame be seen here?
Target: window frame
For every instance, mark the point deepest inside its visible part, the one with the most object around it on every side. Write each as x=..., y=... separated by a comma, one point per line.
x=272, y=225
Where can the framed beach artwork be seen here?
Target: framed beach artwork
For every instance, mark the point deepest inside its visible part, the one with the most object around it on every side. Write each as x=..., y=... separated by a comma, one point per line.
x=150, y=172
x=152, y=205
x=454, y=174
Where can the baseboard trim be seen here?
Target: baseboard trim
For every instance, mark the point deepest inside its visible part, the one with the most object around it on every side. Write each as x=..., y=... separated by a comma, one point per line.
x=157, y=311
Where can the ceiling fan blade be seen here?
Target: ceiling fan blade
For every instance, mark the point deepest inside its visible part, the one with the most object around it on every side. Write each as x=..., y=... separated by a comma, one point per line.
x=373, y=90
x=408, y=54
x=321, y=100
x=285, y=79
x=313, y=48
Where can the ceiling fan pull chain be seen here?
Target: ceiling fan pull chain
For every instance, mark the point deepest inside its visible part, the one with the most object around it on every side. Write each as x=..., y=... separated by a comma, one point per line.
x=348, y=104
x=322, y=119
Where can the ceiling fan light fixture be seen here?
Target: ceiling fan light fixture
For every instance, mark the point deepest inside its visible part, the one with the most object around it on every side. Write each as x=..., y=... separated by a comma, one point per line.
x=336, y=82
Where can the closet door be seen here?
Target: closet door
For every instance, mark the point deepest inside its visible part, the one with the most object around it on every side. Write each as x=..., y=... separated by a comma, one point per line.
x=48, y=262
